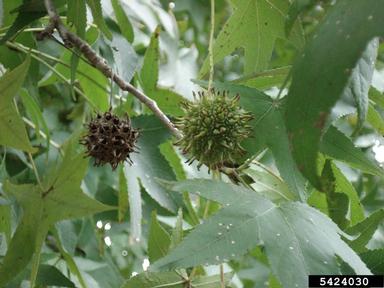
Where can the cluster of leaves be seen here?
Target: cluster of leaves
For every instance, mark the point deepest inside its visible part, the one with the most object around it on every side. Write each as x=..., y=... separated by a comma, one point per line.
x=307, y=195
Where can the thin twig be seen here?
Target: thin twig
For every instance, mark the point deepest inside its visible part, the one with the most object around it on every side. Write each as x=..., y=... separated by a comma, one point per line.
x=72, y=40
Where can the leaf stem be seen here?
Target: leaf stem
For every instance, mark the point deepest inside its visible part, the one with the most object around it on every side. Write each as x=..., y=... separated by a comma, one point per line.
x=206, y=209
x=210, y=48
x=53, y=143
x=192, y=213
x=55, y=71
x=22, y=48
x=35, y=266
x=35, y=171
x=222, y=281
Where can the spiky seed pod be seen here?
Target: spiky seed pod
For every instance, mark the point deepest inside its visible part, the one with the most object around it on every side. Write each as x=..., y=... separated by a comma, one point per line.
x=110, y=139
x=213, y=127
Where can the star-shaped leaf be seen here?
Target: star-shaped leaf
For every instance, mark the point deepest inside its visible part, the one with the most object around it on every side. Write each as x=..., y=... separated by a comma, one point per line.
x=12, y=130
x=58, y=198
x=254, y=26
x=298, y=239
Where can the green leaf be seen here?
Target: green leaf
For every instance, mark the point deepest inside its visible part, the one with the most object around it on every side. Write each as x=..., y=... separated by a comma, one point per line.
x=92, y=81
x=365, y=230
x=5, y=222
x=149, y=73
x=174, y=280
x=173, y=159
x=265, y=79
x=77, y=15
x=153, y=280
x=150, y=163
x=123, y=21
x=254, y=26
x=8, y=17
x=270, y=186
x=168, y=151
x=27, y=13
x=168, y=101
x=213, y=281
x=33, y=110
x=337, y=203
x=335, y=144
x=50, y=276
x=360, y=81
x=12, y=130
x=342, y=185
x=125, y=57
x=97, y=13
x=177, y=232
x=72, y=266
x=374, y=118
x=297, y=7
x=158, y=240
x=58, y=198
x=374, y=260
x=324, y=69
x=135, y=202
x=123, y=195
x=298, y=240
x=67, y=235
x=376, y=96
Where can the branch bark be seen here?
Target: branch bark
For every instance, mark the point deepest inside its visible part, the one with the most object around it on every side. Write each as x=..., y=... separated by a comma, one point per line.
x=72, y=40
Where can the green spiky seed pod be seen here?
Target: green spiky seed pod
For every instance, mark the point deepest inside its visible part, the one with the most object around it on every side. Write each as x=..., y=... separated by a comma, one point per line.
x=213, y=128
x=110, y=139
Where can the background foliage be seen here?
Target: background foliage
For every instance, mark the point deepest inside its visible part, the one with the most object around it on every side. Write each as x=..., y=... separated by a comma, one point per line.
x=308, y=198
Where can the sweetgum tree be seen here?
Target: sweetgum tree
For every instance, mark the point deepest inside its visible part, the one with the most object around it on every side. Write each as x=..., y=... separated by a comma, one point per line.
x=190, y=143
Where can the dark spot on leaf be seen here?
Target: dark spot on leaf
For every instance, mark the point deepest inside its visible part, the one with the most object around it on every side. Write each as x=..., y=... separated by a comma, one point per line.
x=265, y=23
x=319, y=124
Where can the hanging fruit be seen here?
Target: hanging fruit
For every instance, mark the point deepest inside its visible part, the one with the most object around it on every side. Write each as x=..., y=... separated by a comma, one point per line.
x=213, y=126
x=110, y=139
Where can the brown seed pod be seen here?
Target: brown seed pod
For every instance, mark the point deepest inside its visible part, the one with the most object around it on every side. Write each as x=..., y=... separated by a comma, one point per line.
x=110, y=139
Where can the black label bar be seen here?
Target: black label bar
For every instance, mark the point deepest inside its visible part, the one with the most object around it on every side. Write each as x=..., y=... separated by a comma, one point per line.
x=350, y=281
